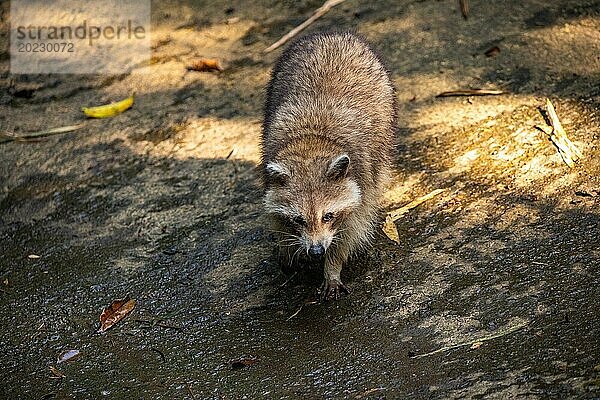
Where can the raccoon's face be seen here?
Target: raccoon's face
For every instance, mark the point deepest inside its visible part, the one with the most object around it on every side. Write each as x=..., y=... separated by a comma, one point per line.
x=311, y=200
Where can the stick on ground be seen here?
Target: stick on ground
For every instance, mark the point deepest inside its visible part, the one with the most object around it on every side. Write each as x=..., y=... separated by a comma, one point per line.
x=5, y=137
x=389, y=228
x=502, y=332
x=471, y=92
x=397, y=213
x=567, y=150
x=317, y=14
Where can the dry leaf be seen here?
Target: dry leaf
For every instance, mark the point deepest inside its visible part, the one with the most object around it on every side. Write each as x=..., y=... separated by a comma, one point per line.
x=492, y=52
x=242, y=363
x=476, y=345
x=56, y=374
x=205, y=64
x=390, y=230
x=68, y=355
x=464, y=8
x=115, y=312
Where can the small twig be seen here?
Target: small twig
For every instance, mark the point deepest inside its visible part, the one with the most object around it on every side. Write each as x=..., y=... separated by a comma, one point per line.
x=38, y=330
x=317, y=14
x=56, y=374
x=567, y=150
x=389, y=227
x=189, y=388
x=396, y=214
x=296, y=313
x=160, y=353
x=368, y=392
x=471, y=92
x=300, y=309
x=163, y=325
x=288, y=280
x=32, y=135
x=151, y=323
x=472, y=342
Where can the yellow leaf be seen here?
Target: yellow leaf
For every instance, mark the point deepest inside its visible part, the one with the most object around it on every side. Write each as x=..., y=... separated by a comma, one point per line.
x=390, y=230
x=109, y=110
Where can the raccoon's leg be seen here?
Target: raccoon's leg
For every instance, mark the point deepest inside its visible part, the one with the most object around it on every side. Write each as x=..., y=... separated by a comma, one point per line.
x=332, y=284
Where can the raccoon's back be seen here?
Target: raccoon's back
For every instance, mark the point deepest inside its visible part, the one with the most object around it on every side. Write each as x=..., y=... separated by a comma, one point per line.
x=336, y=84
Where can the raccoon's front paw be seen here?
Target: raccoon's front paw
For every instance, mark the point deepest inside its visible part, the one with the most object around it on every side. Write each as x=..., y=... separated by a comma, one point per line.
x=331, y=290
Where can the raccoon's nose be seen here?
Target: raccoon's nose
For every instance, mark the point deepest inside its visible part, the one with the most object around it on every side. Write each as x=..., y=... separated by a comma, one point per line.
x=316, y=250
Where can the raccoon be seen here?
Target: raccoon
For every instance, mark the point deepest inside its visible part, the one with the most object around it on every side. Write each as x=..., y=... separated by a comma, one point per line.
x=327, y=144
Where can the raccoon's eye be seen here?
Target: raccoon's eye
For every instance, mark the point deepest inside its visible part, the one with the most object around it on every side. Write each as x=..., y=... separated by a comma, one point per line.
x=298, y=220
x=327, y=217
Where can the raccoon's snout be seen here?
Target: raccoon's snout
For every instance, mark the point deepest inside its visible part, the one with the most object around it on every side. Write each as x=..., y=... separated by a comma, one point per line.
x=316, y=250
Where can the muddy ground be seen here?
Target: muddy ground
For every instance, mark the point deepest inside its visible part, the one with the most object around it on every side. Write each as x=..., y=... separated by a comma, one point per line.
x=162, y=203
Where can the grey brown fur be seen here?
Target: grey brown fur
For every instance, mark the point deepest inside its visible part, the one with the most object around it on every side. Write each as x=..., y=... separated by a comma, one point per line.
x=326, y=148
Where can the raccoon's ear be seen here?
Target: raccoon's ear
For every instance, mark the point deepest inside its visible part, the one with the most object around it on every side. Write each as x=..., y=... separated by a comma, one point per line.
x=339, y=167
x=276, y=174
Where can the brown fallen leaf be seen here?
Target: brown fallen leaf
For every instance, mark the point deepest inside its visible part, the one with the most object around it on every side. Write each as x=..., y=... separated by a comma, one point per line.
x=115, y=312
x=476, y=345
x=464, y=8
x=68, y=355
x=205, y=64
x=56, y=374
x=471, y=92
x=492, y=51
x=242, y=363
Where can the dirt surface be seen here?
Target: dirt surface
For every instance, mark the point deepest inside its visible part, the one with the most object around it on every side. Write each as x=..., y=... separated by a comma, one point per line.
x=500, y=273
